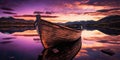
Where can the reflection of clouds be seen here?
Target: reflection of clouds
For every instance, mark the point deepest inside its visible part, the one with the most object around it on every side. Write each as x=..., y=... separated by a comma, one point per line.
x=96, y=54
x=6, y=42
x=97, y=35
x=8, y=38
x=110, y=42
x=4, y=36
x=94, y=33
x=109, y=38
x=26, y=33
x=37, y=40
x=92, y=46
x=81, y=53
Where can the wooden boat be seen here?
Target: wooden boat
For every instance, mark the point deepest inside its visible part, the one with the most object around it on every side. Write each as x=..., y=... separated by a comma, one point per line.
x=53, y=35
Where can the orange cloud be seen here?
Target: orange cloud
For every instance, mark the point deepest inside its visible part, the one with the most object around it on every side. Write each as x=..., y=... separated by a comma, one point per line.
x=44, y=16
x=83, y=5
x=111, y=12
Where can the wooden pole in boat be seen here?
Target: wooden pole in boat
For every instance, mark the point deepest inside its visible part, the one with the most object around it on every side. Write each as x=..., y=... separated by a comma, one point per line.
x=37, y=23
x=38, y=17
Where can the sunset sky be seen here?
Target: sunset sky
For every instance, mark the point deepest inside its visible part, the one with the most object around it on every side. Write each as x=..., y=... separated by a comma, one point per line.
x=60, y=10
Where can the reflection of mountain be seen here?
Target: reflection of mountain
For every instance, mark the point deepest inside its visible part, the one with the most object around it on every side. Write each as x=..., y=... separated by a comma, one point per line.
x=15, y=29
x=109, y=31
x=104, y=30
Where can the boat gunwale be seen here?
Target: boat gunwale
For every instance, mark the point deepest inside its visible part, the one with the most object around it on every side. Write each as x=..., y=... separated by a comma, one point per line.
x=61, y=26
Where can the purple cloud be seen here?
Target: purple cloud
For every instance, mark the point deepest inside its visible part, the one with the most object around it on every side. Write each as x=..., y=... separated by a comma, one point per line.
x=107, y=10
x=7, y=9
x=44, y=16
x=9, y=13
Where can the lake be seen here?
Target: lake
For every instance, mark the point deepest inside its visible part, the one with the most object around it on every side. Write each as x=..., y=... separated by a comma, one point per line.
x=25, y=45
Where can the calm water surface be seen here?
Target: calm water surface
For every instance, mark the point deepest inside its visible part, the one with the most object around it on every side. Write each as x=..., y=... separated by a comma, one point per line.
x=27, y=46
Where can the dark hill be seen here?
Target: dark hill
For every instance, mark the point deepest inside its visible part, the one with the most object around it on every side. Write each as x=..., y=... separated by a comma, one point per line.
x=10, y=21
x=112, y=18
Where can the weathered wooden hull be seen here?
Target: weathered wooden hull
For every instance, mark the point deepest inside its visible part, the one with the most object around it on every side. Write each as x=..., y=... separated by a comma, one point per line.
x=52, y=34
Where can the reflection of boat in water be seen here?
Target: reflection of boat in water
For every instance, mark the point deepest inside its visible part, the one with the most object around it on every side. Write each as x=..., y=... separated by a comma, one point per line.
x=66, y=51
x=53, y=35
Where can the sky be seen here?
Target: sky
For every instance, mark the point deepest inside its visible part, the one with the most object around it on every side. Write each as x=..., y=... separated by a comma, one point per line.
x=60, y=10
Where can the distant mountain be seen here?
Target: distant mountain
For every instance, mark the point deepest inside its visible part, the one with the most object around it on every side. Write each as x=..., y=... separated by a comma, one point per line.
x=6, y=18
x=112, y=18
x=111, y=22
x=10, y=21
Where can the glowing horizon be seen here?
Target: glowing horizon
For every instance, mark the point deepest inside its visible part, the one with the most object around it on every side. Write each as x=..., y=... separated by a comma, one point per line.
x=73, y=10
